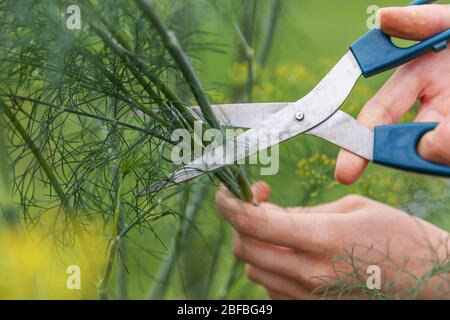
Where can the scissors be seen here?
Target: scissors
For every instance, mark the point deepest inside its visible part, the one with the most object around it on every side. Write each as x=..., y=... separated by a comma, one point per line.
x=318, y=114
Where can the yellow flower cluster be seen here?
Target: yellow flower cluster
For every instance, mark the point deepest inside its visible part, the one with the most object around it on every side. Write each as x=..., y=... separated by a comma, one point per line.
x=238, y=73
x=316, y=173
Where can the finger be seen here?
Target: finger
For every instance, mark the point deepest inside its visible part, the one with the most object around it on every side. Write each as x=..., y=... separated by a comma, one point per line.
x=265, y=255
x=278, y=284
x=415, y=22
x=261, y=191
x=278, y=227
x=347, y=204
x=349, y=167
x=435, y=145
x=393, y=100
x=300, y=267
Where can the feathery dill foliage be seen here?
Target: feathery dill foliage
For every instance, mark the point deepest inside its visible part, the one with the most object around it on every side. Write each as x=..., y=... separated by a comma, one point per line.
x=88, y=113
x=95, y=105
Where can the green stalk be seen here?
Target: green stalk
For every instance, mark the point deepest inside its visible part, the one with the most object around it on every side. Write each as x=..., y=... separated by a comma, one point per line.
x=112, y=252
x=138, y=69
x=139, y=77
x=117, y=225
x=103, y=284
x=226, y=173
x=7, y=208
x=181, y=108
x=248, y=54
x=135, y=63
x=165, y=271
x=127, y=49
x=165, y=89
x=95, y=14
x=215, y=261
x=251, y=55
x=53, y=182
x=229, y=281
x=271, y=26
x=117, y=83
x=123, y=272
x=111, y=76
x=171, y=43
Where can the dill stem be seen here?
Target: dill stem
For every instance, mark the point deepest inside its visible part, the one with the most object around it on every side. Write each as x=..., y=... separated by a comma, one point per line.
x=252, y=57
x=165, y=89
x=171, y=43
x=93, y=13
x=112, y=252
x=117, y=34
x=139, y=77
x=139, y=64
x=53, y=182
x=214, y=263
x=230, y=279
x=111, y=76
x=192, y=203
x=122, y=257
x=271, y=25
x=104, y=281
x=118, y=84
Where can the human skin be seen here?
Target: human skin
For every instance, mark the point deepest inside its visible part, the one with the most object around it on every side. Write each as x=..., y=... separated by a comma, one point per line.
x=287, y=249
x=426, y=79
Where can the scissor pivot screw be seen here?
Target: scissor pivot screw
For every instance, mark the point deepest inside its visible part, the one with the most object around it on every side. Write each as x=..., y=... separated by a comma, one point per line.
x=299, y=116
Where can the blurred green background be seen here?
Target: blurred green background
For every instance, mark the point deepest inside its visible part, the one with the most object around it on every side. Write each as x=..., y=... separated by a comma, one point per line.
x=310, y=38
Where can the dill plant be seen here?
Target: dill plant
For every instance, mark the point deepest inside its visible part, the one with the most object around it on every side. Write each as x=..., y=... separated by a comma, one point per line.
x=88, y=114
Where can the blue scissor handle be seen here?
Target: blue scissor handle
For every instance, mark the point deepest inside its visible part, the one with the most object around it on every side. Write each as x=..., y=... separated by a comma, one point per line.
x=420, y=2
x=396, y=147
x=376, y=53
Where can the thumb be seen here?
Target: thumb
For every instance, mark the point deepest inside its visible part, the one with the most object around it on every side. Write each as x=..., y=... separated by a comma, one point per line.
x=434, y=146
x=415, y=22
x=261, y=191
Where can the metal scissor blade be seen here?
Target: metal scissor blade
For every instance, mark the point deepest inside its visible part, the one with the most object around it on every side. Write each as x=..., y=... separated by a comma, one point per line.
x=344, y=131
x=242, y=115
x=316, y=107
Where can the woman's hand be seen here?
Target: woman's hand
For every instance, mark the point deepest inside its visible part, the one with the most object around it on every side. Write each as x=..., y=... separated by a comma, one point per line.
x=426, y=79
x=292, y=251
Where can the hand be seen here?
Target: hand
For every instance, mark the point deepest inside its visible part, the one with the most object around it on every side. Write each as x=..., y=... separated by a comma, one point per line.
x=426, y=79
x=287, y=249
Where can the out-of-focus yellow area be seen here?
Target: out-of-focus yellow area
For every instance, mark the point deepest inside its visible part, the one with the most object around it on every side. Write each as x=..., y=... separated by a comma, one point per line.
x=34, y=265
